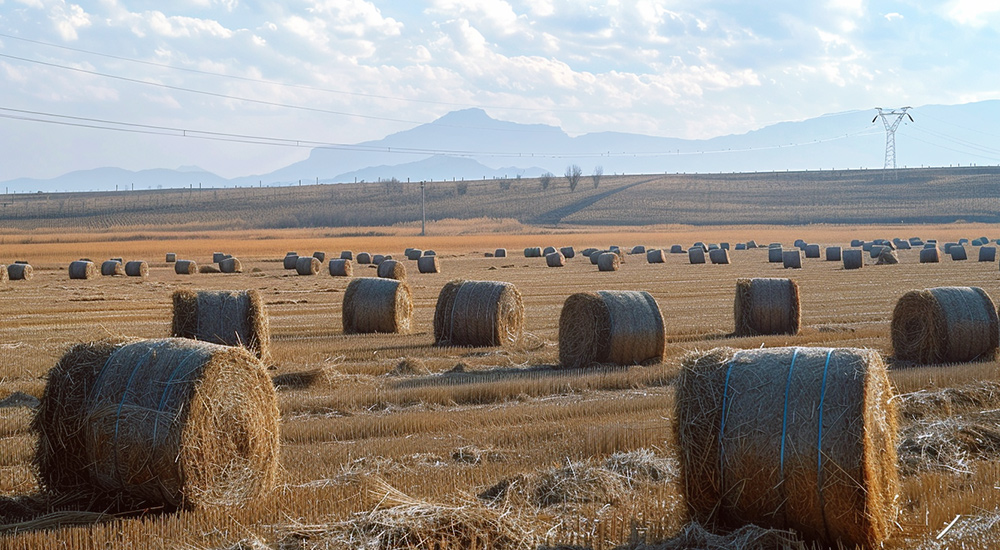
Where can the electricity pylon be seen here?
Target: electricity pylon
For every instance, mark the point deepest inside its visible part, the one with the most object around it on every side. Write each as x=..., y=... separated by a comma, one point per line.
x=890, y=131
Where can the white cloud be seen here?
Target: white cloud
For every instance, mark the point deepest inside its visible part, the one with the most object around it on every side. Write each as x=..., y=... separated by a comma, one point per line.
x=893, y=16
x=975, y=13
x=184, y=27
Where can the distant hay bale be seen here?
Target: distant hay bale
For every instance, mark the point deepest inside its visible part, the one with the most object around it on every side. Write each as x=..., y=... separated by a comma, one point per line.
x=167, y=423
x=958, y=253
x=567, y=252
x=377, y=305
x=791, y=438
x=500, y=253
x=713, y=246
x=377, y=259
x=724, y=246
x=701, y=245
x=876, y=250
x=218, y=257
x=696, y=255
x=741, y=246
x=391, y=269
x=555, y=259
x=346, y=255
x=363, y=258
x=719, y=256
x=341, y=268
x=532, y=252
x=988, y=254
x=595, y=255
x=609, y=261
x=171, y=257
x=867, y=246
x=478, y=313
x=857, y=243
x=429, y=253
x=111, y=268
x=81, y=269
x=231, y=265
x=833, y=253
x=751, y=244
x=799, y=243
x=945, y=325
x=930, y=255
x=225, y=317
x=414, y=253
x=676, y=249
x=20, y=272
x=854, y=258
x=619, y=327
x=903, y=245
x=614, y=248
x=811, y=250
x=208, y=268
x=588, y=251
x=307, y=265
x=655, y=256
x=487, y=254
x=930, y=245
x=774, y=254
x=290, y=261
x=548, y=250
x=791, y=258
x=766, y=306
x=185, y=267
x=428, y=264
x=137, y=268
x=774, y=245
x=320, y=255
x=947, y=247
x=887, y=257
x=638, y=249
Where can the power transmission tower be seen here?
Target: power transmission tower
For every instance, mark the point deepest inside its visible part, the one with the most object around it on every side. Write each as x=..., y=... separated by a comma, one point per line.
x=890, y=131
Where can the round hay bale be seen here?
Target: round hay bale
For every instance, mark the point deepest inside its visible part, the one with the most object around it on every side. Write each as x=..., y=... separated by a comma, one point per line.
x=413, y=253
x=903, y=245
x=945, y=325
x=567, y=252
x=799, y=243
x=478, y=313
x=363, y=258
x=4, y=276
x=833, y=253
x=185, y=267
x=713, y=246
x=532, y=252
x=638, y=249
x=430, y=253
x=930, y=245
x=20, y=272
x=307, y=265
x=811, y=250
x=876, y=250
x=791, y=258
x=619, y=327
x=377, y=305
x=500, y=253
x=741, y=246
x=774, y=254
x=290, y=261
x=719, y=256
x=774, y=245
x=854, y=259
x=377, y=259
x=169, y=423
x=958, y=253
x=701, y=245
x=887, y=257
x=81, y=269
x=790, y=438
x=341, y=268
x=487, y=254
x=857, y=243
x=320, y=255
x=555, y=259
x=766, y=306
x=225, y=317
x=930, y=255
x=548, y=250
x=111, y=268
x=696, y=255
x=428, y=264
x=988, y=254
x=218, y=257
x=595, y=255
x=137, y=268
x=724, y=246
x=614, y=248
x=231, y=265
x=391, y=269
x=655, y=256
x=751, y=244
x=588, y=251
x=171, y=257
x=947, y=247
x=676, y=249
x=963, y=241
x=346, y=255
x=609, y=261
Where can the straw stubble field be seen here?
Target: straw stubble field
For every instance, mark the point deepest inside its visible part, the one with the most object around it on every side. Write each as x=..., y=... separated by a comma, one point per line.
x=381, y=431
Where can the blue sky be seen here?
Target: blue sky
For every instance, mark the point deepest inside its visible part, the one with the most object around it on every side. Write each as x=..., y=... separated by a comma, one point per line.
x=364, y=69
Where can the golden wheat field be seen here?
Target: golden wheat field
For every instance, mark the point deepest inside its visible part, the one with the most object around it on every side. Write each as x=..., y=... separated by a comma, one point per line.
x=383, y=432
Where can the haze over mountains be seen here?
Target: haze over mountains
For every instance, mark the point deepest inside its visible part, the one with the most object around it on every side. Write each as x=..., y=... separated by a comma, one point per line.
x=469, y=144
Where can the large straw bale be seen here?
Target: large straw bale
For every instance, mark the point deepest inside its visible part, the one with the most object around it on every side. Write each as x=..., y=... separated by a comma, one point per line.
x=226, y=317
x=811, y=250
x=307, y=265
x=766, y=306
x=478, y=313
x=429, y=264
x=620, y=327
x=791, y=258
x=555, y=259
x=774, y=254
x=112, y=268
x=290, y=260
x=548, y=250
x=791, y=438
x=20, y=272
x=609, y=261
x=168, y=423
x=363, y=258
x=373, y=304
x=346, y=255
x=137, y=268
x=655, y=256
x=595, y=255
x=958, y=252
x=391, y=269
x=930, y=255
x=341, y=268
x=231, y=265
x=83, y=269
x=185, y=267
x=719, y=256
x=567, y=252
x=988, y=254
x=696, y=255
x=854, y=258
x=833, y=253
x=945, y=325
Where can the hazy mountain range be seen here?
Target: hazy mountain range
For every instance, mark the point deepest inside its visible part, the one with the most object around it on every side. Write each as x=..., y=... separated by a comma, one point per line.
x=468, y=144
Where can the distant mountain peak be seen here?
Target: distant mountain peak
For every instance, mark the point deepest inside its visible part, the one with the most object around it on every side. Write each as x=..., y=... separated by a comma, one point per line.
x=465, y=117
